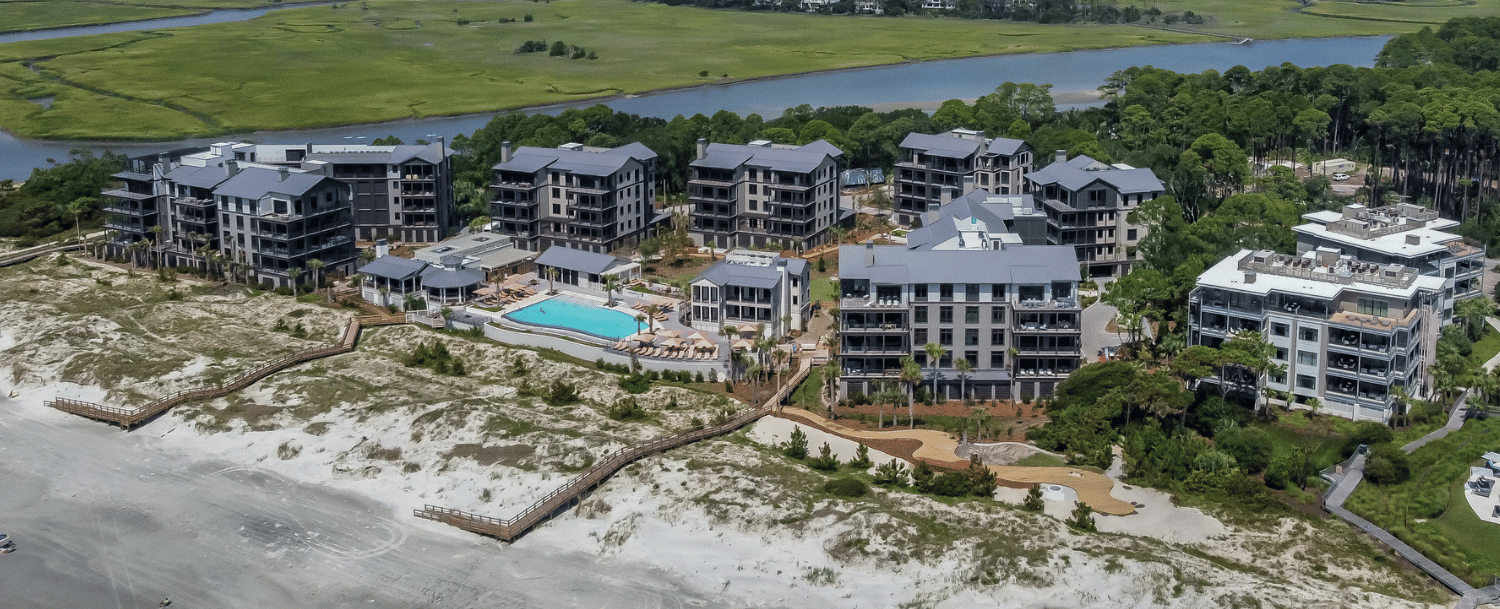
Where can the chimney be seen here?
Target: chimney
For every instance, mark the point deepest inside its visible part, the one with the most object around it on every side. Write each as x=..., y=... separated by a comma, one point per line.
x=1413, y=239
x=702, y=148
x=946, y=197
x=505, y=152
x=870, y=253
x=382, y=248
x=231, y=168
x=1249, y=277
x=1062, y=156
x=968, y=185
x=931, y=217
x=282, y=173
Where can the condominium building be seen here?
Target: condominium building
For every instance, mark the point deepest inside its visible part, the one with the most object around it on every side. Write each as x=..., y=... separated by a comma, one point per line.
x=764, y=193
x=581, y=197
x=1087, y=204
x=932, y=164
x=278, y=219
x=1013, y=313
x=1348, y=332
x=402, y=192
x=1404, y=234
x=749, y=288
x=980, y=220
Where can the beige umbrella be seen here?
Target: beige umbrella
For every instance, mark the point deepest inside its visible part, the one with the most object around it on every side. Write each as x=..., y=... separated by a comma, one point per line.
x=704, y=343
x=741, y=344
x=643, y=337
x=672, y=343
x=668, y=334
x=696, y=336
x=485, y=291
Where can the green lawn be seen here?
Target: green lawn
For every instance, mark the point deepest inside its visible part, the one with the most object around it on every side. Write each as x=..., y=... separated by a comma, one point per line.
x=1486, y=348
x=384, y=60
x=1264, y=19
x=806, y=395
x=824, y=290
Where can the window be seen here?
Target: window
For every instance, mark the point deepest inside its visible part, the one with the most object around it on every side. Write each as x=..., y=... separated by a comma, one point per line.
x=973, y=357
x=920, y=292
x=997, y=359
x=971, y=315
x=997, y=337
x=997, y=315
x=919, y=315
x=997, y=292
x=556, y=193
x=1308, y=334
x=919, y=336
x=945, y=336
x=1130, y=234
x=1378, y=308
x=945, y=291
x=971, y=337
x=971, y=292
x=1279, y=329
x=752, y=189
x=1307, y=358
x=1306, y=382
x=1280, y=354
x=945, y=315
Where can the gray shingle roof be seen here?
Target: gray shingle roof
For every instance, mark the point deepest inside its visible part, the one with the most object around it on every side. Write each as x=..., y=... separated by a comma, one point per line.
x=393, y=267
x=748, y=275
x=941, y=145
x=894, y=264
x=529, y=159
x=440, y=278
x=1007, y=146
x=974, y=205
x=1069, y=175
x=578, y=260
x=801, y=160
x=257, y=182
x=199, y=177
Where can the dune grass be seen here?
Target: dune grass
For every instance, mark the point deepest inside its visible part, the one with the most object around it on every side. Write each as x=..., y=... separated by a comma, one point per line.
x=385, y=60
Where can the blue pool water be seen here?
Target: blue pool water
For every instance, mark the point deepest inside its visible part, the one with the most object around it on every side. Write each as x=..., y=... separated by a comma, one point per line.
x=591, y=320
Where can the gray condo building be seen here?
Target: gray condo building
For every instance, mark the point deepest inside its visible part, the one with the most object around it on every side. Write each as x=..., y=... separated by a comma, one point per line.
x=1012, y=312
x=593, y=199
x=1087, y=204
x=931, y=165
x=745, y=196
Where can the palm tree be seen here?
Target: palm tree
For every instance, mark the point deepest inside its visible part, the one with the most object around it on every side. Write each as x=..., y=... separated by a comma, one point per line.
x=78, y=206
x=729, y=333
x=157, y=231
x=640, y=318
x=934, y=356
x=295, y=273
x=778, y=357
x=1473, y=311
x=911, y=374
x=651, y=311
x=838, y=234
x=786, y=324
x=611, y=284
x=830, y=376
x=744, y=361
x=753, y=371
x=887, y=394
x=552, y=274
x=317, y=268
x=965, y=368
x=367, y=255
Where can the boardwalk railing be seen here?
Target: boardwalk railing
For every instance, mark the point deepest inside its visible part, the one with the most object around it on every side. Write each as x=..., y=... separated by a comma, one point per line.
x=128, y=418
x=564, y=496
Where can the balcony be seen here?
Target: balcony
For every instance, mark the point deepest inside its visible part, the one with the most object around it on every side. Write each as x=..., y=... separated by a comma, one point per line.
x=193, y=202
x=1042, y=305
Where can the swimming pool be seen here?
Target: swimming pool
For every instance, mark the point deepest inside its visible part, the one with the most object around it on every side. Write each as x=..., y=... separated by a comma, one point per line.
x=567, y=315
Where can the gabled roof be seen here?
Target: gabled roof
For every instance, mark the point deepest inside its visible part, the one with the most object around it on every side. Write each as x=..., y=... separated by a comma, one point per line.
x=1071, y=176
x=393, y=267
x=800, y=160
x=578, y=260
x=1007, y=146
x=529, y=159
x=969, y=212
x=441, y=278
x=941, y=145
x=257, y=182
x=725, y=272
x=199, y=177
x=894, y=264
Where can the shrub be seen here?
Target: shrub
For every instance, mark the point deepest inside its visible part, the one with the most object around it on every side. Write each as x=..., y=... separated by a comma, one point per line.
x=283, y=291
x=1369, y=433
x=434, y=356
x=1083, y=518
x=728, y=386
x=627, y=409
x=1387, y=465
x=891, y=474
x=825, y=461
x=635, y=383
x=561, y=394
x=981, y=478
x=921, y=476
x=699, y=377
x=846, y=487
x=1033, y=502
x=949, y=484
x=527, y=18
x=796, y=447
x=861, y=460
x=1251, y=448
x=518, y=367
x=558, y=49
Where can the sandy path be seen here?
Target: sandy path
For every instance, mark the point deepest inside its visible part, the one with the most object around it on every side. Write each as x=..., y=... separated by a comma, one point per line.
x=940, y=449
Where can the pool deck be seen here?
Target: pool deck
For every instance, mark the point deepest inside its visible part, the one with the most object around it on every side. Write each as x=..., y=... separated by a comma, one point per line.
x=624, y=299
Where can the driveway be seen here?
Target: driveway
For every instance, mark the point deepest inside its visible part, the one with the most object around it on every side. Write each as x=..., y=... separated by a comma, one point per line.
x=1095, y=318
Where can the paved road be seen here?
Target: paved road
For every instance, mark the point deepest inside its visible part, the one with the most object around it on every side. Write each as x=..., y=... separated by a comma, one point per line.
x=105, y=519
x=1095, y=317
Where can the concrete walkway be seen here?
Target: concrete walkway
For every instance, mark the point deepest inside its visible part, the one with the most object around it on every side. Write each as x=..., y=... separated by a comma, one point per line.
x=941, y=448
x=1493, y=361
x=1455, y=422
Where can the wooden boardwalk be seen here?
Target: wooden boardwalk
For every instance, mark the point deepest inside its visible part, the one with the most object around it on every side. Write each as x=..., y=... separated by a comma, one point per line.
x=557, y=501
x=129, y=418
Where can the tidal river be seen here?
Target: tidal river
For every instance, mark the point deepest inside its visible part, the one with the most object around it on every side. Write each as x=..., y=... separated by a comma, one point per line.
x=1069, y=73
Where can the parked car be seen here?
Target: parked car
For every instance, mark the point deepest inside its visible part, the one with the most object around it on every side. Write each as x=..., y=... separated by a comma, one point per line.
x=1340, y=177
